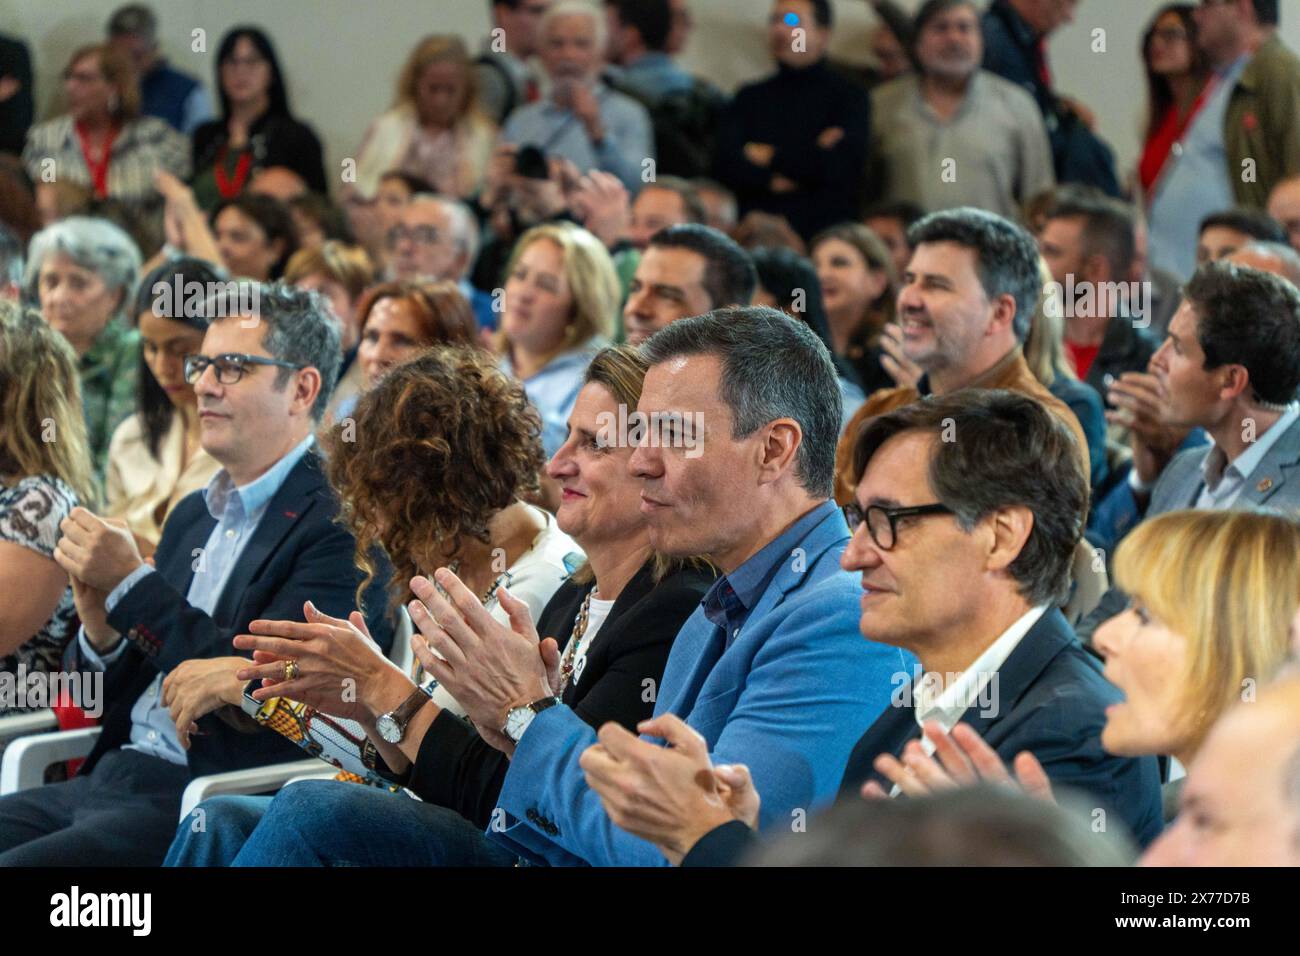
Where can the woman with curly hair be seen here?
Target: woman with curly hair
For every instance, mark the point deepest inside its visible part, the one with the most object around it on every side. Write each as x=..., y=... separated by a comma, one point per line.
x=432, y=467
x=620, y=613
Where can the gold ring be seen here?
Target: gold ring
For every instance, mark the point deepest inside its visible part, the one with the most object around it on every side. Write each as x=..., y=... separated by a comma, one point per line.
x=291, y=670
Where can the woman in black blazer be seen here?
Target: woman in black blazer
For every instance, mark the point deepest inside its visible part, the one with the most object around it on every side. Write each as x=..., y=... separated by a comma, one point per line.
x=442, y=758
x=457, y=768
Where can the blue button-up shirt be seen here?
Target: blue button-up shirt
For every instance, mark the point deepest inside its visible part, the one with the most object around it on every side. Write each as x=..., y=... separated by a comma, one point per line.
x=655, y=75
x=1196, y=182
x=728, y=602
x=629, y=137
x=238, y=511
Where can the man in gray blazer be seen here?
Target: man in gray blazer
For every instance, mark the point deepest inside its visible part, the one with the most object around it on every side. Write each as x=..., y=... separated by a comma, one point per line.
x=1230, y=365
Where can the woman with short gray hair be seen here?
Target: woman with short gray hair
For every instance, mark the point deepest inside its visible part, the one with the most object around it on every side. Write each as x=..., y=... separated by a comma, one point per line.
x=82, y=273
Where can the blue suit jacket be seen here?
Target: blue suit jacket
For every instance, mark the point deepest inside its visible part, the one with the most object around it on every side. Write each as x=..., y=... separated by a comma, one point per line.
x=1050, y=700
x=298, y=552
x=788, y=698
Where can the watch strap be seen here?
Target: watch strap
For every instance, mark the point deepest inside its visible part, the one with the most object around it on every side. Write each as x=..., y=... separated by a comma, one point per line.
x=403, y=712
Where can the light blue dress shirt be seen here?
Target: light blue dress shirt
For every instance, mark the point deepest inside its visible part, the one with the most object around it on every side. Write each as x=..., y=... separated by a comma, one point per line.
x=629, y=137
x=238, y=511
x=1196, y=184
x=1224, y=482
x=554, y=389
x=655, y=75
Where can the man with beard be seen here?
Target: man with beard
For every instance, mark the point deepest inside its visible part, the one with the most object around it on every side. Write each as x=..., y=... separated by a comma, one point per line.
x=955, y=135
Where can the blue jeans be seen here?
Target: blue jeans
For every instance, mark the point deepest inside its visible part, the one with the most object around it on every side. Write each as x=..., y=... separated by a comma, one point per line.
x=215, y=830
x=329, y=823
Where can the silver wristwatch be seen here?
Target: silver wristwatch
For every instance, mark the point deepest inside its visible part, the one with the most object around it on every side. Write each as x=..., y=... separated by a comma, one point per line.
x=518, y=718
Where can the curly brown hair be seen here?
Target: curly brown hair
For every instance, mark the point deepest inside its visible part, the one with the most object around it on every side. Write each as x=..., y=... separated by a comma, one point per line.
x=434, y=451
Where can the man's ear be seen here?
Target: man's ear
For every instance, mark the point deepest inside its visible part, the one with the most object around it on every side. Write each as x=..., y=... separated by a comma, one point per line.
x=1010, y=529
x=306, y=387
x=780, y=446
x=1235, y=381
x=1004, y=312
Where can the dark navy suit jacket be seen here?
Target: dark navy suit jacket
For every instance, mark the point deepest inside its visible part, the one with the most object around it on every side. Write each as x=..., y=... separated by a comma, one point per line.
x=1050, y=700
x=296, y=553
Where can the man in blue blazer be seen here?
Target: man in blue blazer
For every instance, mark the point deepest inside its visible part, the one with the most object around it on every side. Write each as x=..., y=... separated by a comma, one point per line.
x=1231, y=366
x=770, y=670
x=736, y=454
x=258, y=542
x=966, y=514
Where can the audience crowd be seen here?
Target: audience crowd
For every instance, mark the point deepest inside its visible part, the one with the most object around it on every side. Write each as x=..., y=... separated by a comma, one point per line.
x=861, y=468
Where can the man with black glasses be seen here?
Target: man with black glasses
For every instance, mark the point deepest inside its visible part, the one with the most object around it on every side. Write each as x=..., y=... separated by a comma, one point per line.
x=966, y=511
x=258, y=542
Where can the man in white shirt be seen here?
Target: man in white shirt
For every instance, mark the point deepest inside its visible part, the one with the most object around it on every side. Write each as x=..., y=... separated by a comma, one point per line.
x=968, y=515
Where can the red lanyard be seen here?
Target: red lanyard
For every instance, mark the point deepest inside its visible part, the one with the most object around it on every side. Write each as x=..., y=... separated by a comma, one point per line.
x=229, y=188
x=98, y=169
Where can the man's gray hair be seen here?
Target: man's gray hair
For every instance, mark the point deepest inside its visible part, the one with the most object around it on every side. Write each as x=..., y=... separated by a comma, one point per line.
x=463, y=225
x=1006, y=256
x=773, y=367
x=298, y=329
x=134, y=19
x=568, y=8
x=94, y=244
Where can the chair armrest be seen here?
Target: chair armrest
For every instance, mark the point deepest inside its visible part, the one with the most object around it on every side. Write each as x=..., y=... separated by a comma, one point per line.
x=23, y=763
x=25, y=724
x=252, y=780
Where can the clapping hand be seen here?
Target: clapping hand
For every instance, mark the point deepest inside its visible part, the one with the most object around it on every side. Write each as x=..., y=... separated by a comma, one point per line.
x=964, y=759
x=671, y=796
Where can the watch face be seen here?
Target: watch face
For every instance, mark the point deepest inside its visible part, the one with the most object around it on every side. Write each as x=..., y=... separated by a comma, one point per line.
x=517, y=722
x=388, y=729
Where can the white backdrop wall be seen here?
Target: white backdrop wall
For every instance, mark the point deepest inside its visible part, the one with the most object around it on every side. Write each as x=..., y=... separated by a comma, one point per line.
x=342, y=56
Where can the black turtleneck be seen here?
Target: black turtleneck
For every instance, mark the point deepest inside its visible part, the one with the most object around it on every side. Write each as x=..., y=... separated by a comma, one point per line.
x=789, y=111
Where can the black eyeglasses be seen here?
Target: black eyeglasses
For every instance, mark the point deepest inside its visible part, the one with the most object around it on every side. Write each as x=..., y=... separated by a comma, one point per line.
x=882, y=522
x=230, y=368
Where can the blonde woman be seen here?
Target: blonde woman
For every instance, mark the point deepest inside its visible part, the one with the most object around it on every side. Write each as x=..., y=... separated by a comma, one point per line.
x=1213, y=596
x=561, y=293
x=1045, y=356
x=341, y=273
x=44, y=473
x=434, y=129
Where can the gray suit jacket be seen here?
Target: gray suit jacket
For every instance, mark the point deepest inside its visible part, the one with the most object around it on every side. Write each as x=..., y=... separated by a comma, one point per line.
x=1274, y=484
